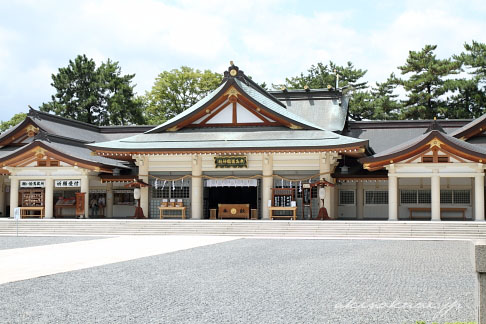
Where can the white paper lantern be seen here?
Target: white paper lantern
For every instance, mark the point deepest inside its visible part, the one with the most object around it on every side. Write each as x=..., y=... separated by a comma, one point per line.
x=136, y=193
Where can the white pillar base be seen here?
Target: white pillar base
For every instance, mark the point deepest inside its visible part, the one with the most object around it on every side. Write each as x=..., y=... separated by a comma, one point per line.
x=435, y=198
x=479, y=197
x=392, y=197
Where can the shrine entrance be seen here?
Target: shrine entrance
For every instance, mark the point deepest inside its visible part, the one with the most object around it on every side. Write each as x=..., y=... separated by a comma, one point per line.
x=237, y=201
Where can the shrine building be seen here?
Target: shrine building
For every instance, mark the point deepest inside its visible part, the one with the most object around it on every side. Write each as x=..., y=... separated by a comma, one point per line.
x=243, y=152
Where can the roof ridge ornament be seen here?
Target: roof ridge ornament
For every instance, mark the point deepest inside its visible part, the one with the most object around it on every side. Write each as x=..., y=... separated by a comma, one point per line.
x=234, y=73
x=42, y=136
x=434, y=126
x=33, y=113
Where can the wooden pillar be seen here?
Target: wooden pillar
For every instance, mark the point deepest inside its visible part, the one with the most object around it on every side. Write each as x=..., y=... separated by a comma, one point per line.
x=197, y=188
x=392, y=197
x=49, y=198
x=359, y=200
x=435, y=196
x=109, y=199
x=14, y=194
x=479, y=197
x=267, y=183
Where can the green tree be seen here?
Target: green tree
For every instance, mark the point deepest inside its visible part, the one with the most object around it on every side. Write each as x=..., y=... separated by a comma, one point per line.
x=468, y=99
x=321, y=76
x=377, y=103
x=325, y=75
x=362, y=105
x=17, y=118
x=176, y=90
x=385, y=102
x=426, y=83
x=95, y=95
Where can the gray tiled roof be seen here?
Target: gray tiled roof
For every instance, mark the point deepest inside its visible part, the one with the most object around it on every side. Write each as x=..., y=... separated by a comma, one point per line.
x=71, y=131
x=385, y=135
x=84, y=153
x=75, y=130
x=5, y=151
x=236, y=139
x=468, y=126
x=77, y=152
x=417, y=140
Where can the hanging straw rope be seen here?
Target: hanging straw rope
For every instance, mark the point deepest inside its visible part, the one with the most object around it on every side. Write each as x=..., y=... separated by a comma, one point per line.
x=257, y=176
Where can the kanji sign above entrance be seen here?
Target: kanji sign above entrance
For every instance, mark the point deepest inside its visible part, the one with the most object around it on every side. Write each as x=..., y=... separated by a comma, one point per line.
x=68, y=183
x=230, y=161
x=32, y=183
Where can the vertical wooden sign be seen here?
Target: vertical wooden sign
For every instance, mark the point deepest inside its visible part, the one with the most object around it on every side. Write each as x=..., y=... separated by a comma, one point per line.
x=80, y=197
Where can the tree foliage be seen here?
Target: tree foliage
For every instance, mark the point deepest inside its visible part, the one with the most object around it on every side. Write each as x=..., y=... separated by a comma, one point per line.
x=325, y=76
x=95, y=95
x=17, y=118
x=430, y=86
x=321, y=76
x=380, y=102
x=426, y=83
x=176, y=90
x=468, y=99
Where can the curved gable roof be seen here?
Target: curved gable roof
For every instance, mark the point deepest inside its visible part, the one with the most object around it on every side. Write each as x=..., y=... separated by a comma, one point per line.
x=420, y=144
x=254, y=93
x=64, y=152
x=471, y=129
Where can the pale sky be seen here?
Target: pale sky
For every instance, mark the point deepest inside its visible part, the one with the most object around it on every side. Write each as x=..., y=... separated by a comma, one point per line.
x=269, y=40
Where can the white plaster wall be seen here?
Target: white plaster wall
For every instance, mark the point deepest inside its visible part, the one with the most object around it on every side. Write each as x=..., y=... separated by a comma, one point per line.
x=304, y=161
x=425, y=184
x=375, y=211
x=346, y=211
x=167, y=163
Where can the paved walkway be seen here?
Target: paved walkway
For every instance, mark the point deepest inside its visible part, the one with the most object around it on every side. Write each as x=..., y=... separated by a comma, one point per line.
x=32, y=262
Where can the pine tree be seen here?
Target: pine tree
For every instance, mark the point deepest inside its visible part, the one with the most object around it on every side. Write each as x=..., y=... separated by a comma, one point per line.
x=469, y=94
x=425, y=85
x=100, y=96
x=385, y=103
x=322, y=76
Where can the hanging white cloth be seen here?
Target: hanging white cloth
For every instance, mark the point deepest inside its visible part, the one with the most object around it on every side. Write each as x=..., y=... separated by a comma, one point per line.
x=231, y=183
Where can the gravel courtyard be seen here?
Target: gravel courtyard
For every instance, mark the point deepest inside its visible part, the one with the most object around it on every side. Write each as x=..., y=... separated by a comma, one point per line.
x=258, y=281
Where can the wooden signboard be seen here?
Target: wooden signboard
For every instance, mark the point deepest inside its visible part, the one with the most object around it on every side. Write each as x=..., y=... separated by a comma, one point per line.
x=230, y=161
x=80, y=197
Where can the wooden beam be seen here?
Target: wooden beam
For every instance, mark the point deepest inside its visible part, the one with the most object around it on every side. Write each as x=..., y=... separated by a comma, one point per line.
x=202, y=112
x=215, y=112
x=254, y=112
x=248, y=104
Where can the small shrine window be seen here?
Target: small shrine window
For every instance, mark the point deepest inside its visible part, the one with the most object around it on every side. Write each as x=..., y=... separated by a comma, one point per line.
x=443, y=159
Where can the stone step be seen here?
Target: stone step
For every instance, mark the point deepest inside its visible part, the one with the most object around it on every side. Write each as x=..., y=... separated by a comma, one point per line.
x=281, y=228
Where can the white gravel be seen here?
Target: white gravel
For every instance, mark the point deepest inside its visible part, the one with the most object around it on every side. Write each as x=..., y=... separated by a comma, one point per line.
x=260, y=281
